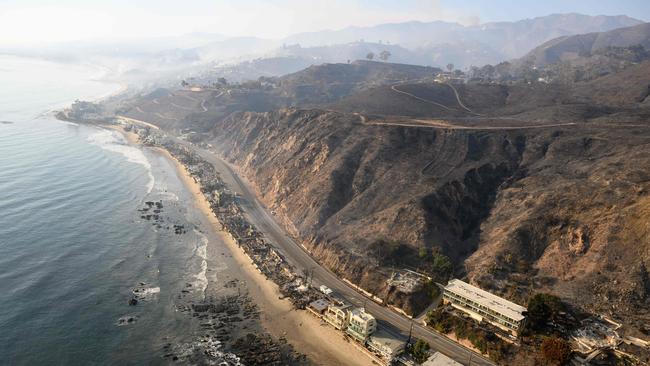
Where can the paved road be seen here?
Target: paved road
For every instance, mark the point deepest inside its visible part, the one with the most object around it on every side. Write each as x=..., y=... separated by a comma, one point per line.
x=297, y=256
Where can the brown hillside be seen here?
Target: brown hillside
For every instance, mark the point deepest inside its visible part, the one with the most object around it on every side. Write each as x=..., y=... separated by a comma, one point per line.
x=506, y=206
x=570, y=47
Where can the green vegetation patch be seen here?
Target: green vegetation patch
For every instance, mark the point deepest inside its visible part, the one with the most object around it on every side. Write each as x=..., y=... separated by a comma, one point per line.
x=485, y=341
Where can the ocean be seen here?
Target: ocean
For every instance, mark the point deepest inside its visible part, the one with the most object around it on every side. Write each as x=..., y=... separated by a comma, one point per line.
x=86, y=224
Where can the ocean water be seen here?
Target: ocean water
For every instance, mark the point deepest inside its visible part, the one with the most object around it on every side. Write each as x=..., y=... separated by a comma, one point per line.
x=74, y=245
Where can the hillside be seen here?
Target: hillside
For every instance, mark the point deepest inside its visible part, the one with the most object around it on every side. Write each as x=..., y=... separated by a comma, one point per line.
x=330, y=82
x=313, y=86
x=626, y=88
x=373, y=166
x=571, y=47
x=505, y=206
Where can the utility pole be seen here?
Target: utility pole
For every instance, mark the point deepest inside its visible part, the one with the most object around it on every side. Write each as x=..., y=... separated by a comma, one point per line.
x=311, y=276
x=410, y=333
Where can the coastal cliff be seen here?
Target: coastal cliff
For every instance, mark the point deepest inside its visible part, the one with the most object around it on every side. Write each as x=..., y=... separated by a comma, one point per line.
x=504, y=206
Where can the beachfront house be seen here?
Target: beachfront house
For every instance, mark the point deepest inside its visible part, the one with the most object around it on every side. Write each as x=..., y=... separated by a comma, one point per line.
x=337, y=316
x=438, y=359
x=318, y=307
x=361, y=324
x=386, y=345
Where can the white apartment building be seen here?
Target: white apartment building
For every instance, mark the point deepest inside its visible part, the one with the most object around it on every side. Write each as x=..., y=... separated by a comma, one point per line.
x=482, y=305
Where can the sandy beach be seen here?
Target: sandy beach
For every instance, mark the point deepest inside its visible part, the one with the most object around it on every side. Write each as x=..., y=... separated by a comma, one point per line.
x=309, y=335
x=131, y=137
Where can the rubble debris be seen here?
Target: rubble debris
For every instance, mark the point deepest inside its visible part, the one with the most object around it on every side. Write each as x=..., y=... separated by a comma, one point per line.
x=226, y=208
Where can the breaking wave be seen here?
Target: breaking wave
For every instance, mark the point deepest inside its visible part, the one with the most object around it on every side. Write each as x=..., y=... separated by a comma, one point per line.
x=145, y=293
x=201, y=277
x=114, y=141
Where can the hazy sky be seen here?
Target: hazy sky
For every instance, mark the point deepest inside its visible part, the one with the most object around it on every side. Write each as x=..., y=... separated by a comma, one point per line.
x=37, y=21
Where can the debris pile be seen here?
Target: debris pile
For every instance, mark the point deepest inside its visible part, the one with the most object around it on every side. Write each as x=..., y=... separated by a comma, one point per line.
x=226, y=208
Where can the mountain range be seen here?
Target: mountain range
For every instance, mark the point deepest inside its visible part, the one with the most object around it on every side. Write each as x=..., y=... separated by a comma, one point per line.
x=434, y=43
x=486, y=43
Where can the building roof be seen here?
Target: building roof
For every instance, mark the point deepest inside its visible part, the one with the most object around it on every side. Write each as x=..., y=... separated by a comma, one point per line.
x=361, y=314
x=319, y=305
x=438, y=359
x=491, y=301
x=381, y=338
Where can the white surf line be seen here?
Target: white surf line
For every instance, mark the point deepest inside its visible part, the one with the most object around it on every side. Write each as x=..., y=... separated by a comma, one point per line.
x=114, y=140
x=421, y=99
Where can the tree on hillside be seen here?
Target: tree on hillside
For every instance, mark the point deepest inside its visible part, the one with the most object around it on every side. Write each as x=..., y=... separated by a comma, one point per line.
x=556, y=350
x=384, y=55
x=422, y=252
x=441, y=267
x=450, y=66
x=370, y=56
x=543, y=308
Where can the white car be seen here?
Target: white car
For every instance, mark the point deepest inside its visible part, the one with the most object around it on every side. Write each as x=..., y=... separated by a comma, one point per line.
x=326, y=290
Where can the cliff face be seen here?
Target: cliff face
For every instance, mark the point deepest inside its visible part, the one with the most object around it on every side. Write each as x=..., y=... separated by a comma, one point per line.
x=329, y=173
x=562, y=210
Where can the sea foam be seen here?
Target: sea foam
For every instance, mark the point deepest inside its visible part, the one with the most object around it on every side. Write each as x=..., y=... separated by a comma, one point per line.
x=145, y=293
x=114, y=141
x=201, y=251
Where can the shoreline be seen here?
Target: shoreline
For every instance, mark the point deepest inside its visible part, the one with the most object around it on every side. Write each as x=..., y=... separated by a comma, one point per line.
x=130, y=137
x=306, y=333
x=303, y=331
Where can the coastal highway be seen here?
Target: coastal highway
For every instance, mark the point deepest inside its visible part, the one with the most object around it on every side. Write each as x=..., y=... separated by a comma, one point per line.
x=388, y=319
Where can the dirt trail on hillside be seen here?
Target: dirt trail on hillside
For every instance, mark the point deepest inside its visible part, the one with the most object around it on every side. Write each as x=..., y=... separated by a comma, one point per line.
x=442, y=124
